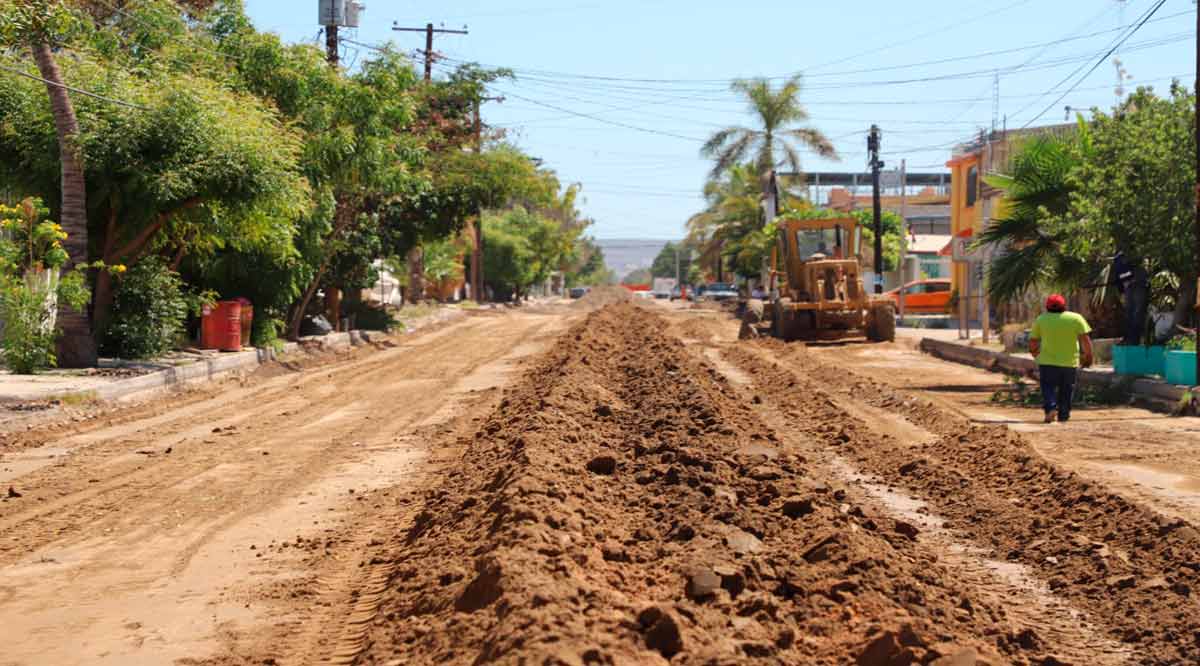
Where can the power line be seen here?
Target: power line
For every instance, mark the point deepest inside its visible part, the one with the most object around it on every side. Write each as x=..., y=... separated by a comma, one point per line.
x=1146, y=17
x=601, y=80
x=73, y=89
x=602, y=120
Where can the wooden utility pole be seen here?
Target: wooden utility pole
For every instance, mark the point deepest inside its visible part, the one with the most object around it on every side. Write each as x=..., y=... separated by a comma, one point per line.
x=477, y=255
x=331, y=44
x=876, y=165
x=903, y=234
x=416, y=257
x=429, y=31
x=1196, y=253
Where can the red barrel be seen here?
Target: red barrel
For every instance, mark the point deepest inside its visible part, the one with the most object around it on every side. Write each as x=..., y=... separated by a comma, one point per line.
x=221, y=326
x=247, y=320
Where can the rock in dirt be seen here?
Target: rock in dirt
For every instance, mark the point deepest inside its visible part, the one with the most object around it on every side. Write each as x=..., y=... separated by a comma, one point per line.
x=604, y=465
x=882, y=650
x=661, y=631
x=795, y=507
x=907, y=529
x=12, y=493
x=702, y=584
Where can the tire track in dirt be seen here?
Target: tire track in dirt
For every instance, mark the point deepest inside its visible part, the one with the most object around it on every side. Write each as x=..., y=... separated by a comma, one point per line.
x=626, y=504
x=164, y=550
x=1032, y=616
x=1132, y=569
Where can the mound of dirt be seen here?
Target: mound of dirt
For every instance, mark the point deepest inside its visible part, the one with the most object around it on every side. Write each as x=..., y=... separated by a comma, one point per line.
x=603, y=295
x=1133, y=569
x=623, y=506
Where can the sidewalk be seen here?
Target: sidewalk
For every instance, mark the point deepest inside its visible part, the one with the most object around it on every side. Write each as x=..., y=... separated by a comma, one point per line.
x=995, y=359
x=116, y=379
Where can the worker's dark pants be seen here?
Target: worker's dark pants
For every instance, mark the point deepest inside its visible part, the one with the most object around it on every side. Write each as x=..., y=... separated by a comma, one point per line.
x=1058, y=386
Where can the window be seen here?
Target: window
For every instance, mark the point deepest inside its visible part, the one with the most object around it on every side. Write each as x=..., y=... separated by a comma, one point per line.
x=915, y=289
x=972, y=185
x=935, y=287
x=827, y=242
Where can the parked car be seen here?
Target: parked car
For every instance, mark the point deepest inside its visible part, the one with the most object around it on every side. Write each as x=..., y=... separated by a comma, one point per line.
x=578, y=292
x=931, y=296
x=718, y=291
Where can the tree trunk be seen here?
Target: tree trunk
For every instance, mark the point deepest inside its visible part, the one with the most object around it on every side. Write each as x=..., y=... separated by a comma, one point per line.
x=342, y=219
x=1185, y=301
x=77, y=346
x=416, y=274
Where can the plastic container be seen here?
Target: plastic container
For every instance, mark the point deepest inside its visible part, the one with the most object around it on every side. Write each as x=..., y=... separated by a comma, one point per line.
x=1139, y=360
x=1181, y=368
x=221, y=326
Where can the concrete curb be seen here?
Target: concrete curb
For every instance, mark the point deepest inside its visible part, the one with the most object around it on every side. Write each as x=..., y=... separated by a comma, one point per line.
x=1153, y=389
x=218, y=366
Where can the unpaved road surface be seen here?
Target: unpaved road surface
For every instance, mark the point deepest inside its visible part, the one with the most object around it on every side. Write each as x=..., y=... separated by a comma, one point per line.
x=231, y=524
x=623, y=485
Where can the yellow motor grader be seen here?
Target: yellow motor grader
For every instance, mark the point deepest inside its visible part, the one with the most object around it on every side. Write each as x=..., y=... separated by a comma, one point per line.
x=816, y=287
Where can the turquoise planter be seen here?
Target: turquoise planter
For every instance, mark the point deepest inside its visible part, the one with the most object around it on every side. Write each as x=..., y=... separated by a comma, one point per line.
x=1139, y=360
x=1181, y=368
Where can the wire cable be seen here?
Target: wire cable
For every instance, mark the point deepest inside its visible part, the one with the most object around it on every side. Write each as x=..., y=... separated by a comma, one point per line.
x=1145, y=17
x=81, y=91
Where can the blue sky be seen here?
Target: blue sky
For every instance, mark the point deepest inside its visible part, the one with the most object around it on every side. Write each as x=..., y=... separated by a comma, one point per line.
x=619, y=95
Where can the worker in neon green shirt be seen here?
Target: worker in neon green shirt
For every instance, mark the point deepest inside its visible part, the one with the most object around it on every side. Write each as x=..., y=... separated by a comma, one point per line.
x=1060, y=344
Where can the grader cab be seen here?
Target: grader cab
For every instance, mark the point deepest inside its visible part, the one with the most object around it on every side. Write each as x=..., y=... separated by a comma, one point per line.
x=816, y=290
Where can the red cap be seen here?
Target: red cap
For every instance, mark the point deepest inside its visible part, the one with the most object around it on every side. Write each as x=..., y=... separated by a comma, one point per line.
x=1056, y=303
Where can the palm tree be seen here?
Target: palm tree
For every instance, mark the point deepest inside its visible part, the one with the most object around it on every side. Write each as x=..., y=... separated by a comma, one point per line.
x=777, y=141
x=36, y=24
x=731, y=224
x=1037, y=191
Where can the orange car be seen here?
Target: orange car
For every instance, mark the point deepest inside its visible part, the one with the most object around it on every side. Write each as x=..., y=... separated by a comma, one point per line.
x=930, y=296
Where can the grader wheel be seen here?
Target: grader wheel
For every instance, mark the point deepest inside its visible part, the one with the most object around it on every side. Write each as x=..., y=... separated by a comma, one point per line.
x=881, y=323
x=752, y=319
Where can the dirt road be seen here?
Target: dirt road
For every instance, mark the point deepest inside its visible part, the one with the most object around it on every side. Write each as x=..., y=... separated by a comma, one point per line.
x=643, y=489
x=230, y=524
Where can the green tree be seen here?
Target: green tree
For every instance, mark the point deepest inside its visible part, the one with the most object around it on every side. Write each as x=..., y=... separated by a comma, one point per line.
x=1135, y=192
x=589, y=268
x=893, y=238
x=1031, y=247
x=776, y=140
x=664, y=265
x=637, y=276
x=43, y=26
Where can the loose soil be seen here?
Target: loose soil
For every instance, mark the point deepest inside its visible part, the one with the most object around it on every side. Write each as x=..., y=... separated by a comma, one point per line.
x=614, y=482
x=235, y=524
x=626, y=504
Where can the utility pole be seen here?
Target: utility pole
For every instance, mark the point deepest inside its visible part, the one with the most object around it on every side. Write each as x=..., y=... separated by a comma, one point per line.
x=876, y=164
x=477, y=255
x=1196, y=254
x=331, y=45
x=429, y=31
x=677, y=282
x=903, y=233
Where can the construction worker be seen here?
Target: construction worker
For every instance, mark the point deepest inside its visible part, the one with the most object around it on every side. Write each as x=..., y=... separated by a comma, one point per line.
x=1060, y=344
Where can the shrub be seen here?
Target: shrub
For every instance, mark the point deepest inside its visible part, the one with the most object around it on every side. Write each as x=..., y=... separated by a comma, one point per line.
x=31, y=257
x=149, y=311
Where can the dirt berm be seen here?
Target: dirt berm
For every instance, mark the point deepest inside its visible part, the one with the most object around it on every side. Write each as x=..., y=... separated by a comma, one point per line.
x=623, y=506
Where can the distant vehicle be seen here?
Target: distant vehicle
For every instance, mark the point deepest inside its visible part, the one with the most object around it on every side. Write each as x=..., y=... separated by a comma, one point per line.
x=643, y=294
x=930, y=296
x=718, y=291
x=578, y=292
x=678, y=294
x=662, y=287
